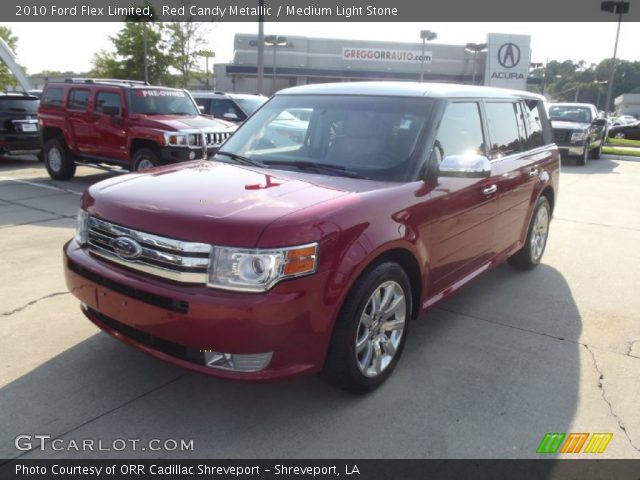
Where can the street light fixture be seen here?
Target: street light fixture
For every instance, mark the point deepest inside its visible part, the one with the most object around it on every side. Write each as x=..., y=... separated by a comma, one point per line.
x=275, y=41
x=425, y=35
x=620, y=8
x=475, y=48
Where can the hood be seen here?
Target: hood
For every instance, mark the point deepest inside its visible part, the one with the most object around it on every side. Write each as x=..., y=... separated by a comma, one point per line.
x=569, y=125
x=207, y=202
x=184, y=122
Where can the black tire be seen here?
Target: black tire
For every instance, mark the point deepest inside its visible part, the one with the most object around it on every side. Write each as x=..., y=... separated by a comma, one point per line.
x=342, y=367
x=584, y=158
x=144, y=159
x=620, y=135
x=596, y=153
x=40, y=155
x=525, y=258
x=58, y=160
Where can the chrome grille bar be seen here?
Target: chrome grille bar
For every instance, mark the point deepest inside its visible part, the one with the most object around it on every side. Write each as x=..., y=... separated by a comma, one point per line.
x=164, y=257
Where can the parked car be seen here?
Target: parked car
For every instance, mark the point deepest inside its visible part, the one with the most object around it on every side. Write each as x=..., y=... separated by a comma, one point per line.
x=624, y=120
x=122, y=123
x=270, y=263
x=19, y=124
x=630, y=132
x=232, y=107
x=578, y=130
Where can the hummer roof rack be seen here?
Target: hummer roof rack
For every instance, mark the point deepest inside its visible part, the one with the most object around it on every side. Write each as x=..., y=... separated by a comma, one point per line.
x=117, y=81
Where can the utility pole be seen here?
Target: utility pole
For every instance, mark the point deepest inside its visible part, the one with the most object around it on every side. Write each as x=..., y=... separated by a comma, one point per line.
x=260, y=79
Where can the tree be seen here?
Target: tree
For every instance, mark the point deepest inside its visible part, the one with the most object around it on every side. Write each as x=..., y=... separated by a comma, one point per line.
x=185, y=39
x=7, y=79
x=127, y=62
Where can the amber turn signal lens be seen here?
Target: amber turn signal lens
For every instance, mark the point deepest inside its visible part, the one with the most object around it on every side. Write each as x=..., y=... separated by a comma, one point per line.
x=301, y=260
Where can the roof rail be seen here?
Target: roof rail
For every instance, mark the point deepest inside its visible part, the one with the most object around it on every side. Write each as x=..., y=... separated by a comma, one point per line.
x=117, y=81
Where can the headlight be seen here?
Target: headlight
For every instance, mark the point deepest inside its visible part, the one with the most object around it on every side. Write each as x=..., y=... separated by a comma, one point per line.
x=82, y=227
x=192, y=139
x=175, y=139
x=578, y=136
x=259, y=270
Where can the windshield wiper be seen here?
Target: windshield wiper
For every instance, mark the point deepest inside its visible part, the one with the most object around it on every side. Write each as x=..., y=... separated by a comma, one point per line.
x=242, y=160
x=318, y=167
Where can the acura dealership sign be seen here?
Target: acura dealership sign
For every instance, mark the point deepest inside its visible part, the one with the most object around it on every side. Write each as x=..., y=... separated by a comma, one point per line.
x=508, y=60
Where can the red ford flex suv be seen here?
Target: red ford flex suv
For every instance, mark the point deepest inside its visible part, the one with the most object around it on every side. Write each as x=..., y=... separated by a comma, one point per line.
x=275, y=260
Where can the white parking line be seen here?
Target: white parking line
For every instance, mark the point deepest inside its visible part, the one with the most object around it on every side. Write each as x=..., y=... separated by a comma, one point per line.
x=41, y=185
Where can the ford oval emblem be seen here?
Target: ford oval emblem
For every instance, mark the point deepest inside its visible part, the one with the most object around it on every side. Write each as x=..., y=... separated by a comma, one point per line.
x=126, y=248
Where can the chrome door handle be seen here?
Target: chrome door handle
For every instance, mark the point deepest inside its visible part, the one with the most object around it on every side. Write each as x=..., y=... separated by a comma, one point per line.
x=533, y=173
x=490, y=190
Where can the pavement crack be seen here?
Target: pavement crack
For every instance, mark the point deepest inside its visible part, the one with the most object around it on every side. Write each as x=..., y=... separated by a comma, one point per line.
x=32, y=302
x=630, y=345
x=607, y=401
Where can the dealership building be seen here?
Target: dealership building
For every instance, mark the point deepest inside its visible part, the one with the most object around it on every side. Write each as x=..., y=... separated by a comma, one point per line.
x=306, y=60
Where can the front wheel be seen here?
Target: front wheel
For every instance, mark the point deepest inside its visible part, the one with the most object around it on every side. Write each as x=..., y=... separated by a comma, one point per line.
x=584, y=158
x=529, y=256
x=144, y=159
x=371, y=330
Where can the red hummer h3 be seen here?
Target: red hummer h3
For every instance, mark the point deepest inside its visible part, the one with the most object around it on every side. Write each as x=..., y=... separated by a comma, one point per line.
x=122, y=123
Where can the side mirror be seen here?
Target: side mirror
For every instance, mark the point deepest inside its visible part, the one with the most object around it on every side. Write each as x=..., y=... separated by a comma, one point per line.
x=599, y=122
x=466, y=166
x=201, y=109
x=232, y=117
x=110, y=110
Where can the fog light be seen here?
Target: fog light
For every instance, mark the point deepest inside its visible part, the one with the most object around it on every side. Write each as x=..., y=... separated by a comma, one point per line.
x=192, y=155
x=252, y=362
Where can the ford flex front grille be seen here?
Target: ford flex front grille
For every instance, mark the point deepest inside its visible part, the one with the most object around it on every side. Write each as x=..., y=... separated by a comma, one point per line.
x=185, y=262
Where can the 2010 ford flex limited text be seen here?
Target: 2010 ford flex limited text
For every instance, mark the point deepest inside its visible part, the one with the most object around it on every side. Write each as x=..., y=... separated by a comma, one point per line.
x=312, y=254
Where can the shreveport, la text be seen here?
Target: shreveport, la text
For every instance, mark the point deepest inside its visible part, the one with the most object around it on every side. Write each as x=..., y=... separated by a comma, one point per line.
x=171, y=470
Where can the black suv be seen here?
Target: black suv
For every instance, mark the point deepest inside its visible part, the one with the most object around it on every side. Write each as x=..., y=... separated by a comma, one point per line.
x=233, y=107
x=19, y=124
x=578, y=130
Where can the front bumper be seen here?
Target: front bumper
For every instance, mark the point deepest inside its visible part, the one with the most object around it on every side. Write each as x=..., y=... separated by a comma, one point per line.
x=178, y=323
x=571, y=151
x=181, y=154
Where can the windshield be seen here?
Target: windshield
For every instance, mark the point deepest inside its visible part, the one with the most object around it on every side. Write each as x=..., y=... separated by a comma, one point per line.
x=356, y=136
x=162, y=102
x=250, y=105
x=19, y=105
x=570, y=114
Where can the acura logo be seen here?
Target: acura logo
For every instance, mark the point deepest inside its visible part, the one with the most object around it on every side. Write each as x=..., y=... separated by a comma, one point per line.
x=509, y=55
x=126, y=248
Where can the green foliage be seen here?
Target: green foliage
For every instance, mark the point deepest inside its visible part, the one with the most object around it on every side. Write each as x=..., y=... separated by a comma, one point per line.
x=576, y=81
x=7, y=78
x=185, y=39
x=127, y=62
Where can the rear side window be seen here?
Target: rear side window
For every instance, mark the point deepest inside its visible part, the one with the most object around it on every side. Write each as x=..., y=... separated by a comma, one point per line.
x=535, y=134
x=53, y=97
x=503, y=129
x=460, y=131
x=107, y=99
x=78, y=99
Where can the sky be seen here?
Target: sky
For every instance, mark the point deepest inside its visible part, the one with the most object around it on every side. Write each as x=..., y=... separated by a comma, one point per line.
x=68, y=48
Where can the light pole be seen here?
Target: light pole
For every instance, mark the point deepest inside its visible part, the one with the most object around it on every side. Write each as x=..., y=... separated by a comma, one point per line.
x=207, y=54
x=425, y=35
x=260, y=47
x=620, y=8
x=275, y=41
x=475, y=48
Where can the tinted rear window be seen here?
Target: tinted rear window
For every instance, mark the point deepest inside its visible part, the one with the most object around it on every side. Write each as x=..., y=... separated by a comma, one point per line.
x=19, y=105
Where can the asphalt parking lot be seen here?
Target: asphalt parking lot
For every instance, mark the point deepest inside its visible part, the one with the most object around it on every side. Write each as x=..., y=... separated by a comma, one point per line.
x=484, y=375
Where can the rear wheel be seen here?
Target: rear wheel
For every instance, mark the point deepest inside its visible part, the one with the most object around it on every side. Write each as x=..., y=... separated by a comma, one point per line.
x=144, y=159
x=58, y=160
x=371, y=330
x=529, y=256
x=620, y=135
